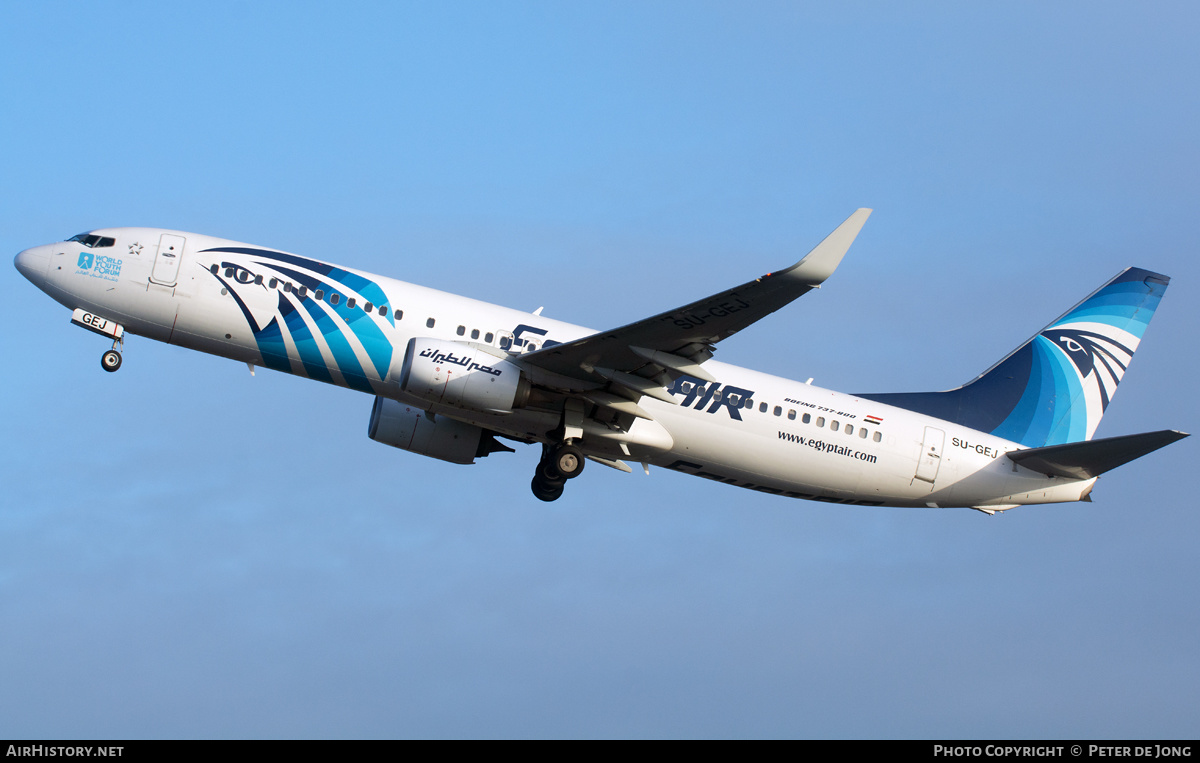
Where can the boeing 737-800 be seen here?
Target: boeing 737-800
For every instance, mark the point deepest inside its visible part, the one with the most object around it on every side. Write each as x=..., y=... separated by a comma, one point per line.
x=450, y=374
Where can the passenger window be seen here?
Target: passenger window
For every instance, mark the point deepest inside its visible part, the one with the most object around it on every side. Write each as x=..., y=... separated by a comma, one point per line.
x=287, y=287
x=878, y=436
x=258, y=280
x=399, y=315
x=429, y=323
x=350, y=302
x=820, y=421
x=833, y=425
x=474, y=333
x=215, y=268
x=862, y=432
x=461, y=330
x=383, y=311
x=335, y=298
x=791, y=414
x=849, y=429
x=488, y=337
x=273, y=283
x=733, y=401
x=778, y=410
x=319, y=295
x=229, y=272
x=303, y=292
x=806, y=418
x=717, y=396
x=368, y=307
x=762, y=407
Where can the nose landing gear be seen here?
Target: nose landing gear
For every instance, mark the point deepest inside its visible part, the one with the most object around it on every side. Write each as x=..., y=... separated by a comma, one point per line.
x=559, y=463
x=111, y=360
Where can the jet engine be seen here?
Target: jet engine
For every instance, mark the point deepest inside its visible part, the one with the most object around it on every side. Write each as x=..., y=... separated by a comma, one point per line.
x=410, y=428
x=453, y=374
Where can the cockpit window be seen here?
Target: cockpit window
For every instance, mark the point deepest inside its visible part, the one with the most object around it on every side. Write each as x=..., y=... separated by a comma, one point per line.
x=93, y=241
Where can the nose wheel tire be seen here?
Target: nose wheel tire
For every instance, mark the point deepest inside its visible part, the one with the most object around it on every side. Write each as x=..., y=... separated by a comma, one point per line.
x=110, y=361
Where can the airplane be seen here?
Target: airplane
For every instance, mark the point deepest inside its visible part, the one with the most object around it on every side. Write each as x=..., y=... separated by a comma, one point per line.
x=450, y=375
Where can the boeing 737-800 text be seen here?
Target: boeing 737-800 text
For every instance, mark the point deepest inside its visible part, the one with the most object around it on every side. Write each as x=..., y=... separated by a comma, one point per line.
x=450, y=374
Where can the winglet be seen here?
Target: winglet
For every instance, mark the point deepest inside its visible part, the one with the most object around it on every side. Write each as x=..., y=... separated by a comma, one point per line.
x=820, y=263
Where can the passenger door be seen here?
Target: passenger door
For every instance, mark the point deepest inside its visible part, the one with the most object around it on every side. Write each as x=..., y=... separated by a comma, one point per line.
x=931, y=454
x=168, y=259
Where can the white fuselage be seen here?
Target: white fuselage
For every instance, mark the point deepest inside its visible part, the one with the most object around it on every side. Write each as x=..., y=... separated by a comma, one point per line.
x=749, y=429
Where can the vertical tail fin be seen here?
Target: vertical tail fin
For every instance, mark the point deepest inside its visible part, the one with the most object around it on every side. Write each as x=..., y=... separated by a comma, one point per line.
x=1054, y=388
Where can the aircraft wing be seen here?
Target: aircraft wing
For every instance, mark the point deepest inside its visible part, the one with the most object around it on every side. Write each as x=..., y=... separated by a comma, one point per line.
x=644, y=356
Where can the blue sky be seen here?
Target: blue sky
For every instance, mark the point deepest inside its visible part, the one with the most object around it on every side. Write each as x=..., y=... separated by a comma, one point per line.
x=189, y=551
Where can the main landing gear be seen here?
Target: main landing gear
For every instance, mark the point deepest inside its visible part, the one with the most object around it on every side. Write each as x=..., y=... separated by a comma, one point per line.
x=559, y=463
x=111, y=360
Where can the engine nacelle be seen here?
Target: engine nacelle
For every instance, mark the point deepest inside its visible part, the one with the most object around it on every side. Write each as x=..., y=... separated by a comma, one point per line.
x=453, y=374
x=409, y=428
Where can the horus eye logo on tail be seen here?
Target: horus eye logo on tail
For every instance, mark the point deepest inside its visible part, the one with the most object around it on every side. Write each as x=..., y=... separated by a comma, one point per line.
x=1099, y=359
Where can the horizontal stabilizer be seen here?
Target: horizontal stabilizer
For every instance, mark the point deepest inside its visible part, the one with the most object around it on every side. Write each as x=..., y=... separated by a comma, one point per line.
x=1084, y=460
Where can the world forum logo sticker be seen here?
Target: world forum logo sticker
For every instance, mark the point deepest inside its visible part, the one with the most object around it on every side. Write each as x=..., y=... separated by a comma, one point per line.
x=99, y=266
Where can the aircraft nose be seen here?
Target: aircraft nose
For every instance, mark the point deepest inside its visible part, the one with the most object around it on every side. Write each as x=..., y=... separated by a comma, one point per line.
x=32, y=263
